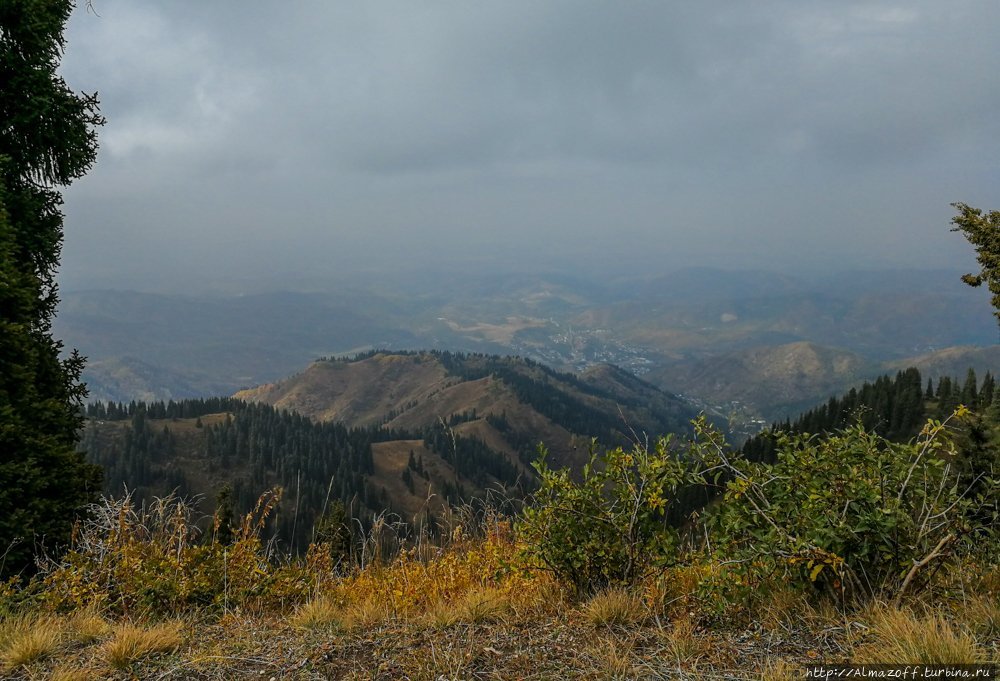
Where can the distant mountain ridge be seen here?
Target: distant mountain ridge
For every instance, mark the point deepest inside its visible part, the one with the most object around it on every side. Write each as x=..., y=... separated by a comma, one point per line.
x=682, y=323
x=782, y=381
x=413, y=389
x=778, y=381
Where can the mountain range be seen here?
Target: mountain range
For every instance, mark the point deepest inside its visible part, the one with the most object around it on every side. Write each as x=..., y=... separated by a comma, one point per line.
x=759, y=344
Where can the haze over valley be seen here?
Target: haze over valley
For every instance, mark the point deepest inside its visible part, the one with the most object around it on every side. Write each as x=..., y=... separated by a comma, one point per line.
x=748, y=205
x=750, y=344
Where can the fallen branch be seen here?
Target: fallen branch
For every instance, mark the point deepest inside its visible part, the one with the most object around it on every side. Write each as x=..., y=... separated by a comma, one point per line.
x=918, y=565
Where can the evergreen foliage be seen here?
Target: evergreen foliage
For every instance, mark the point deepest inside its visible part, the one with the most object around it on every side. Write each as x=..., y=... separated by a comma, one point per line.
x=983, y=232
x=47, y=139
x=892, y=407
x=471, y=458
x=248, y=448
x=241, y=449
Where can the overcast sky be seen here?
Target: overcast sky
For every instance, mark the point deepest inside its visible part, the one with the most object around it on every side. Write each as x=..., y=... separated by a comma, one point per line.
x=307, y=138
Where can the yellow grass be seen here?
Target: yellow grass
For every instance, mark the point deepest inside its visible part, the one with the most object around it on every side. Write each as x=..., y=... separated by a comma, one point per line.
x=613, y=658
x=475, y=606
x=901, y=636
x=66, y=673
x=366, y=614
x=683, y=646
x=319, y=613
x=131, y=643
x=86, y=626
x=440, y=660
x=615, y=607
x=982, y=613
x=780, y=670
x=25, y=641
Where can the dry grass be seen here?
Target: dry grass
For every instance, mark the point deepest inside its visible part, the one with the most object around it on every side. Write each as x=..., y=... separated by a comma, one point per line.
x=67, y=673
x=475, y=606
x=131, y=643
x=782, y=609
x=318, y=614
x=615, y=607
x=86, y=627
x=899, y=634
x=446, y=660
x=460, y=614
x=683, y=646
x=25, y=641
x=613, y=658
x=780, y=670
x=365, y=614
x=982, y=614
x=674, y=591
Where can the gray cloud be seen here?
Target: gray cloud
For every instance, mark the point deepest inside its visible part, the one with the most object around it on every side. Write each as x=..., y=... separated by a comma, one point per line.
x=319, y=136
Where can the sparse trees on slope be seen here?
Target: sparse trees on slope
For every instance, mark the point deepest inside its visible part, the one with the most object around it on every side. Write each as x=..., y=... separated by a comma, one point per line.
x=47, y=139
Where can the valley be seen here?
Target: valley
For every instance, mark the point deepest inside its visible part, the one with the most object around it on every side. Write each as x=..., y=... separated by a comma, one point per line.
x=748, y=346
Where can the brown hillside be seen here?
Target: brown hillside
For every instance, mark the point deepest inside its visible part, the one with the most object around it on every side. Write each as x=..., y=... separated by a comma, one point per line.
x=359, y=393
x=953, y=361
x=775, y=380
x=405, y=392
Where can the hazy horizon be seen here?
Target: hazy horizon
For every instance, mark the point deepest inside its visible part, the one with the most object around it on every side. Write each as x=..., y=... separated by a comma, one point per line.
x=317, y=140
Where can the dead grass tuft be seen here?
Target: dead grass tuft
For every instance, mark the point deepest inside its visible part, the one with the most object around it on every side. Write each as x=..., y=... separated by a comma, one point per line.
x=982, y=613
x=25, y=641
x=318, y=614
x=475, y=606
x=131, y=643
x=781, y=610
x=365, y=614
x=675, y=590
x=613, y=658
x=615, y=607
x=901, y=635
x=86, y=627
x=66, y=673
x=780, y=670
x=683, y=644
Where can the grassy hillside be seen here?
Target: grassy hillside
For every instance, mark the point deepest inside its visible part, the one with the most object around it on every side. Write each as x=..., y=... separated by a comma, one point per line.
x=528, y=401
x=953, y=361
x=778, y=381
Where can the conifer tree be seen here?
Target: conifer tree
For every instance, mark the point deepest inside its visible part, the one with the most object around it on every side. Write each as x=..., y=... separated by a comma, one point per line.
x=969, y=392
x=47, y=139
x=983, y=232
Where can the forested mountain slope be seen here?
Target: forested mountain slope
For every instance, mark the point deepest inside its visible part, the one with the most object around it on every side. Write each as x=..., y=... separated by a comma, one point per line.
x=413, y=390
x=405, y=432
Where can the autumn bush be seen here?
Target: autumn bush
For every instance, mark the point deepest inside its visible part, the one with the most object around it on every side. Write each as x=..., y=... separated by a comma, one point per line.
x=610, y=528
x=480, y=565
x=152, y=559
x=848, y=513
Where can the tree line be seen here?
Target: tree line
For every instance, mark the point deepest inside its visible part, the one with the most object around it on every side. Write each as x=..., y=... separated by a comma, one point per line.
x=893, y=407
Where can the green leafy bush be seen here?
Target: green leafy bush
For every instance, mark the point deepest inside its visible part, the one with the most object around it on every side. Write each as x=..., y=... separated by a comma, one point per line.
x=851, y=511
x=611, y=527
